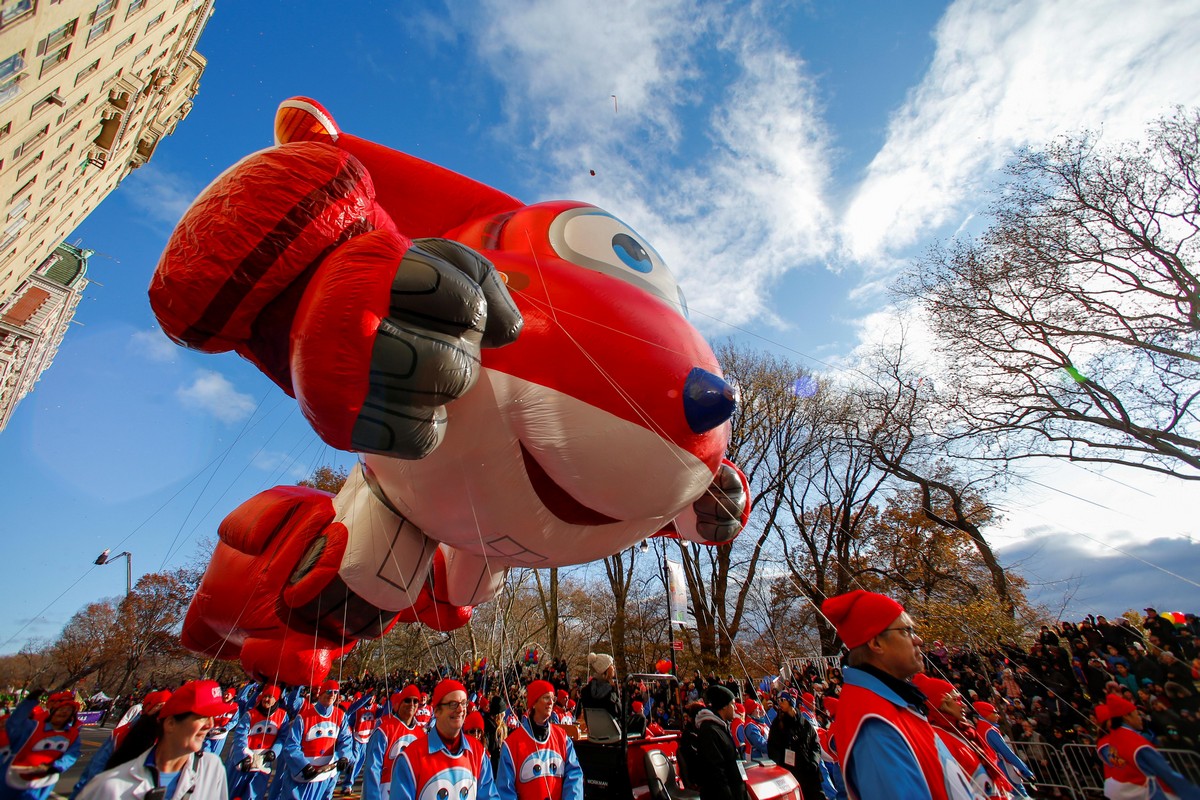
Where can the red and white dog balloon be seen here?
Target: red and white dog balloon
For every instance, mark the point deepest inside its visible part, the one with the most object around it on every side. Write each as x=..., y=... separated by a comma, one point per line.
x=521, y=382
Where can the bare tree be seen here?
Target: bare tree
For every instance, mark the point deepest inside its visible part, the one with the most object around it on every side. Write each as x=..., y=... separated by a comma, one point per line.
x=1071, y=326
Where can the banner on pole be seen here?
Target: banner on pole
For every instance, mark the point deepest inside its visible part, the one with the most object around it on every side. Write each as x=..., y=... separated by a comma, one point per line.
x=677, y=589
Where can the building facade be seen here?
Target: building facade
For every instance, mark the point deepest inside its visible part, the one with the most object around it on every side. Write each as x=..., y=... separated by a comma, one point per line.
x=87, y=91
x=34, y=320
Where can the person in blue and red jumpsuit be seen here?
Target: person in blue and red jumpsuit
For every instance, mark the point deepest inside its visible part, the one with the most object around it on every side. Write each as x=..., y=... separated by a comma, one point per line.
x=537, y=760
x=315, y=746
x=445, y=763
x=887, y=747
x=829, y=760
x=755, y=731
x=361, y=716
x=1133, y=769
x=946, y=713
x=256, y=746
x=1016, y=769
x=222, y=724
x=397, y=729
x=44, y=745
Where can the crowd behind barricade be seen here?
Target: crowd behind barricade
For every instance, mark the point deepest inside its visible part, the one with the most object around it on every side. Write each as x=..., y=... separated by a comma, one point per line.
x=306, y=742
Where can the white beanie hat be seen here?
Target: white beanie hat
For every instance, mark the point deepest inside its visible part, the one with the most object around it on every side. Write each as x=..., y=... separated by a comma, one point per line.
x=599, y=663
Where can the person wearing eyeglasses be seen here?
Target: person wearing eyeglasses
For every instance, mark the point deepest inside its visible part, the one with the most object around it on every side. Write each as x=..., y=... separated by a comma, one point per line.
x=397, y=730
x=948, y=716
x=256, y=744
x=446, y=760
x=175, y=765
x=886, y=746
x=537, y=760
x=316, y=744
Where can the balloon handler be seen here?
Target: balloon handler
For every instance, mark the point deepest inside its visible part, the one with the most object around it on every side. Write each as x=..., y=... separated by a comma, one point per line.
x=521, y=382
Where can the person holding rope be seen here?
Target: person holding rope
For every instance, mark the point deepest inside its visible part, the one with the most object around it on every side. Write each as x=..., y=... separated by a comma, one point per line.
x=446, y=759
x=887, y=748
x=315, y=745
x=256, y=743
x=987, y=726
x=44, y=745
x=1133, y=769
x=397, y=729
x=537, y=760
x=948, y=716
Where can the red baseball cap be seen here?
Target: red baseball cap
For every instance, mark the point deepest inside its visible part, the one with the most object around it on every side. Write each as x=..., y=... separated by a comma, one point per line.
x=203, y=698
x=155, y=699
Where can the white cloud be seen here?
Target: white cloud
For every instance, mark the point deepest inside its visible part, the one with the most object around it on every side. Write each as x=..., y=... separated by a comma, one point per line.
x=162, y=195
x=154, y=345
x=212, y=393
x=732, y=220
x=285, y=464
x=1007, y=74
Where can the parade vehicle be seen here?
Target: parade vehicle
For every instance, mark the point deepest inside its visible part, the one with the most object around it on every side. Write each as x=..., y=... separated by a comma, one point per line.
x=616, y=765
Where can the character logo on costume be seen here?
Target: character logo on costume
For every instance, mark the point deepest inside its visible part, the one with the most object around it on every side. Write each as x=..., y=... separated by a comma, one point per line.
x=455, y=783
x=540, y=764
x=264, y=728
x=322, y=730
x=56, y=743
x=400, y=744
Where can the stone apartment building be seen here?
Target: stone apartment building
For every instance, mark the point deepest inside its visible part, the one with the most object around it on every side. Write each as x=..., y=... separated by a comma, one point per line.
x=87, y=91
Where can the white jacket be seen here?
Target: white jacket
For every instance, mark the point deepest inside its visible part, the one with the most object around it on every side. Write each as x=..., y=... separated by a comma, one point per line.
x=131, y=781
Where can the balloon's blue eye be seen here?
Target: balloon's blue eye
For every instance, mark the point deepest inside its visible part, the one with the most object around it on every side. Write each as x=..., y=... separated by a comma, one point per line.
x=631, y=253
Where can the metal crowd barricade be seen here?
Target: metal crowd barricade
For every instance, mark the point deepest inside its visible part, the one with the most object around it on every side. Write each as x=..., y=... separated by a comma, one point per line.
x=1186, y=762
x=1053, y=773
x=823, y=664
x=1085, y=765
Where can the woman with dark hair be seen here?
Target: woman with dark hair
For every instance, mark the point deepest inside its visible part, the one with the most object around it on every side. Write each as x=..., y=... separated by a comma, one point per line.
x=174, y=764
x=1133, y=769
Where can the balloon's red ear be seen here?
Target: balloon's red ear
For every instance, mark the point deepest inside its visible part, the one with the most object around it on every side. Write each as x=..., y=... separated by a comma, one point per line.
x=422, y=199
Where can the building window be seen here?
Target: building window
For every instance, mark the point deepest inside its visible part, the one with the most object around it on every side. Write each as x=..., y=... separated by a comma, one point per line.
x=99, y=29
x=6, y=130
x=61, y=157
x=67, y=134
x=57, y=37
x=134, y=7
x=180, y=4
x=30, y=165
x=75, y=108
x=105, y=8
x=54, y=59
x=20, y=207
x=57, y=173
x=32, y=141
x=12, y=65
x=122, y=45
x=20, y=192
x=51, y=100
x=88, y=70
x=155, y=22
x=111, y=79
x=15, y=10
x=142, y=54
x=168, y=34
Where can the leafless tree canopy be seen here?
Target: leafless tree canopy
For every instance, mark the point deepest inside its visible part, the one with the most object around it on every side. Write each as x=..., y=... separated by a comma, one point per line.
x=1070, y=328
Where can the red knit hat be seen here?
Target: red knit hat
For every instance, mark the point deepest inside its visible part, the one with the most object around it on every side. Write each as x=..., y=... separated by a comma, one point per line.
x=831, y=704
x=330, y=686
x=637, y=706
x=809, y=699
x=536, y=691
x=935, y=689
x=983, y=709
x=444, y=688
x=63, y=698
x=1103, y=715
x=860, y=616
x=474, y=722
x=410, y=691
x=1118, y=706
x=752, y=707
x=271, y=690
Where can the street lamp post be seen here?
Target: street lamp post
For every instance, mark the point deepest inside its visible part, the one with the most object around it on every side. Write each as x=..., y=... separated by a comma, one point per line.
x=105, y=558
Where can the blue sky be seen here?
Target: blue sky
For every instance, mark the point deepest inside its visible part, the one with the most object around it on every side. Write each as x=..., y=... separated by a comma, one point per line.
x=785, y=158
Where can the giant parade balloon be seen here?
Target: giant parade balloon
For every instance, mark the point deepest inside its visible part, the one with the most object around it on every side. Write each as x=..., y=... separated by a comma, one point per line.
x=521, y=383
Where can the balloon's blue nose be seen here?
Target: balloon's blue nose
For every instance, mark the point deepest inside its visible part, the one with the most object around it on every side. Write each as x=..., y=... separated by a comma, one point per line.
x=708, y=401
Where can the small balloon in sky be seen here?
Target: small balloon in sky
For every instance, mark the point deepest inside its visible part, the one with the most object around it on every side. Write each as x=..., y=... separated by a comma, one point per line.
x=592, y=172
x=805, y=386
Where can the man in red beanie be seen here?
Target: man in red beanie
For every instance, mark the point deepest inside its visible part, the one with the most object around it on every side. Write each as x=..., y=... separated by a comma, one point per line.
x=1132, y=767
x=948, y=717
x=256, y=745
x=537, y=760
x=396, y=731
x=887, y=747
x=315, y=746
x=988, y=729
x=445, y=758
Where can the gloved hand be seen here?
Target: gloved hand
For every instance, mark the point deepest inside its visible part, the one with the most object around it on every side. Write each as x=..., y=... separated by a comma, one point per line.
x=343, y=764
x=244, y=764
x=269, y=757
x=309, y=772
